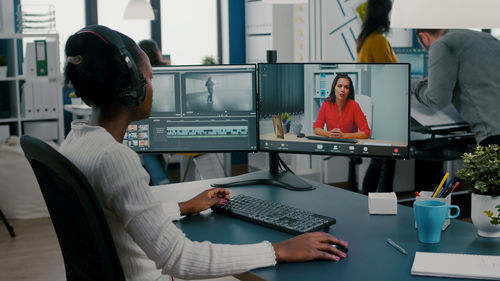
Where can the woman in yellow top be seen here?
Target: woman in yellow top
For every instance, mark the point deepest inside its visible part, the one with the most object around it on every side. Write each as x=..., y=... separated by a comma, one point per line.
x=372, y=46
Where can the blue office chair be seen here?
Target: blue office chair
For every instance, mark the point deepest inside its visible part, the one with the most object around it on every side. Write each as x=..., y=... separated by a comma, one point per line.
x=87, y=247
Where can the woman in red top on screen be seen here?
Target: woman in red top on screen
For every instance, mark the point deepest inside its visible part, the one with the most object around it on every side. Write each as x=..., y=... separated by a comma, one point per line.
x=342, y=115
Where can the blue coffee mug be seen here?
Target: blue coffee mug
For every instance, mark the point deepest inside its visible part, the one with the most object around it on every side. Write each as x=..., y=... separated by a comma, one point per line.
x=430, y=216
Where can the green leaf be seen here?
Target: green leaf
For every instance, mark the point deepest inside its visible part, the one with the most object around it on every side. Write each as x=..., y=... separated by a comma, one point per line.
x=488, y=213
x=481, y=172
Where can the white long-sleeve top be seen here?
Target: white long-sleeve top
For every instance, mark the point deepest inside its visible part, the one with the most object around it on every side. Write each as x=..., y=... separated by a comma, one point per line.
x=149, y=245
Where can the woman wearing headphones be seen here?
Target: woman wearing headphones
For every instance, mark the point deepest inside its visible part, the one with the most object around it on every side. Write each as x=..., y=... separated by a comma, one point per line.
x=113, y=75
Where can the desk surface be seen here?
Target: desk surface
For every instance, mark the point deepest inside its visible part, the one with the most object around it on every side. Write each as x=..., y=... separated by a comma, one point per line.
x=369, y=256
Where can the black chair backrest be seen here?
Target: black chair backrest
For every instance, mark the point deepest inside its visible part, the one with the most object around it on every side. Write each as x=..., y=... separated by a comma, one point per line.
x=87, y=247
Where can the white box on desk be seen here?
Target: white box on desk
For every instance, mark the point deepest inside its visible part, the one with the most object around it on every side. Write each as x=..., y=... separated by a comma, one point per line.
x=382, y=203
x=44, y=130
x=427, y=195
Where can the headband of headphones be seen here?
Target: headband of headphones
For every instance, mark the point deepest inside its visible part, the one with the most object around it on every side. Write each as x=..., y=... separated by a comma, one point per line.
x=134, y=93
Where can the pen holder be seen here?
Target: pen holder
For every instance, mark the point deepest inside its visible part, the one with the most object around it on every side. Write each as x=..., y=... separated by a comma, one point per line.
x=427, y=195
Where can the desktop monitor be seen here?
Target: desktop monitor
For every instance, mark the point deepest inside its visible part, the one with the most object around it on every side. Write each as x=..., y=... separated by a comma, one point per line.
x=205, y=108
x=381, y=100
x=301, y=89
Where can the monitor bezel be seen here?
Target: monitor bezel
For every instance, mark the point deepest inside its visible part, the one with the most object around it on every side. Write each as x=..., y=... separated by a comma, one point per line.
x=403, y=156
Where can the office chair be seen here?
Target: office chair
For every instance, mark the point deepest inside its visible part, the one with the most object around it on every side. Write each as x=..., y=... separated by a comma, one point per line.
x=87, y=247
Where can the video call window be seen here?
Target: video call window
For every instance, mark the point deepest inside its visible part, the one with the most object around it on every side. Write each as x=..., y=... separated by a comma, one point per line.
x=205, y=108
x=376, y=104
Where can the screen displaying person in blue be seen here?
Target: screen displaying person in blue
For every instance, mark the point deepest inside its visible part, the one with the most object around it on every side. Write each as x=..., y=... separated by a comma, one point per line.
x=210, y=88
x=339, y=115
x=378, y=95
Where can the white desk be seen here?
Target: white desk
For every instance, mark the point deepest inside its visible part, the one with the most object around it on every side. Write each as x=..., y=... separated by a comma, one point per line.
x=77, y=110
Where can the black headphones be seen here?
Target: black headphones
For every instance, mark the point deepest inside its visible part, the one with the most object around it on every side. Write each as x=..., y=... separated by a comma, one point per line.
x=134, y=93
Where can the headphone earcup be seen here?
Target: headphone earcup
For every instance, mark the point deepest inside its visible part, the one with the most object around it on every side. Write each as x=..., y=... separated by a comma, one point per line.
x=135, y=93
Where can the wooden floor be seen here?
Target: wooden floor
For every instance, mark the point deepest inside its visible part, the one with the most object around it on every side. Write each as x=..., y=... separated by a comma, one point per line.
x=34, y=253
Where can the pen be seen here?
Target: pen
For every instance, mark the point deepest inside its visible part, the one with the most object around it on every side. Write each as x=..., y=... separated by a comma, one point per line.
x=440, y=186
x=392, y=243
x=456, y=184
x=444, y=191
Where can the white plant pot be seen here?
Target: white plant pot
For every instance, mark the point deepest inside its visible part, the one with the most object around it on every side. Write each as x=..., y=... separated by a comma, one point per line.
x=3, y=71
x=76, y=101
x=479, y=204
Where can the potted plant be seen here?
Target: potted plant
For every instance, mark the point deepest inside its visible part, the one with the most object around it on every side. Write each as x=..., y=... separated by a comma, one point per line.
x=3, y=67
x=208, y=60
x=481, y=173
x=285, y=120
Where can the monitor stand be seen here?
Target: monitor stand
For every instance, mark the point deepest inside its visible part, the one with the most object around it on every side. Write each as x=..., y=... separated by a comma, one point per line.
x=279, y=174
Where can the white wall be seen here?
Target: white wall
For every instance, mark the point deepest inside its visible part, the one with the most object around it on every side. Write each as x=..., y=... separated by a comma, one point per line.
x=334, y=27
x=390, y=102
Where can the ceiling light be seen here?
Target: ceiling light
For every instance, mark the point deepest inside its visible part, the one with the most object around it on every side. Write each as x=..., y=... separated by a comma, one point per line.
x=139, y=9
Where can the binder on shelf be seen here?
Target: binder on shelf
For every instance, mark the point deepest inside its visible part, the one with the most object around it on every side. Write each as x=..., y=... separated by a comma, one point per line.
x=32, y=60
x=41, y=58
x=49, y=98
x=38, y=109
x=27, y=100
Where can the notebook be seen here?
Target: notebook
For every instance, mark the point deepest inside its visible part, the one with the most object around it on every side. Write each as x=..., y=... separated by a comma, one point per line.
x=456, y=265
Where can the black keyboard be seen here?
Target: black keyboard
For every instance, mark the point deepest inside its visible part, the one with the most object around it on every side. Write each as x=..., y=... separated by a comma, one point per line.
x=321, y=138
x=274, y=215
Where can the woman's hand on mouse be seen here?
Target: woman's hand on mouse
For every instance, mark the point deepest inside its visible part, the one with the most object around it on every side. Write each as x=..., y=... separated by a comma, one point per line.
x=204, y=200
x=309, y=246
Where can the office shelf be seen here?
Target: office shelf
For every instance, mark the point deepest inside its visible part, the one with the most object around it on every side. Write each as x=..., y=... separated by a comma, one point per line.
x=12, y=101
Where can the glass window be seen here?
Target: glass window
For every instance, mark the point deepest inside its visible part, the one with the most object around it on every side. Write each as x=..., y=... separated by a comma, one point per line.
x=110, y=13
x=189, y=30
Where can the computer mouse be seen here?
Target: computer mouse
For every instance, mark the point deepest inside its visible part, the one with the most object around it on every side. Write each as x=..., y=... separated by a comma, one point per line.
x=301, y=135
x=341, y=248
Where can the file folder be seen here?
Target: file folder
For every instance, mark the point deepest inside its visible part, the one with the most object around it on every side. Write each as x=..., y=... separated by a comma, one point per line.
x=41, y=58
x=27, y=100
